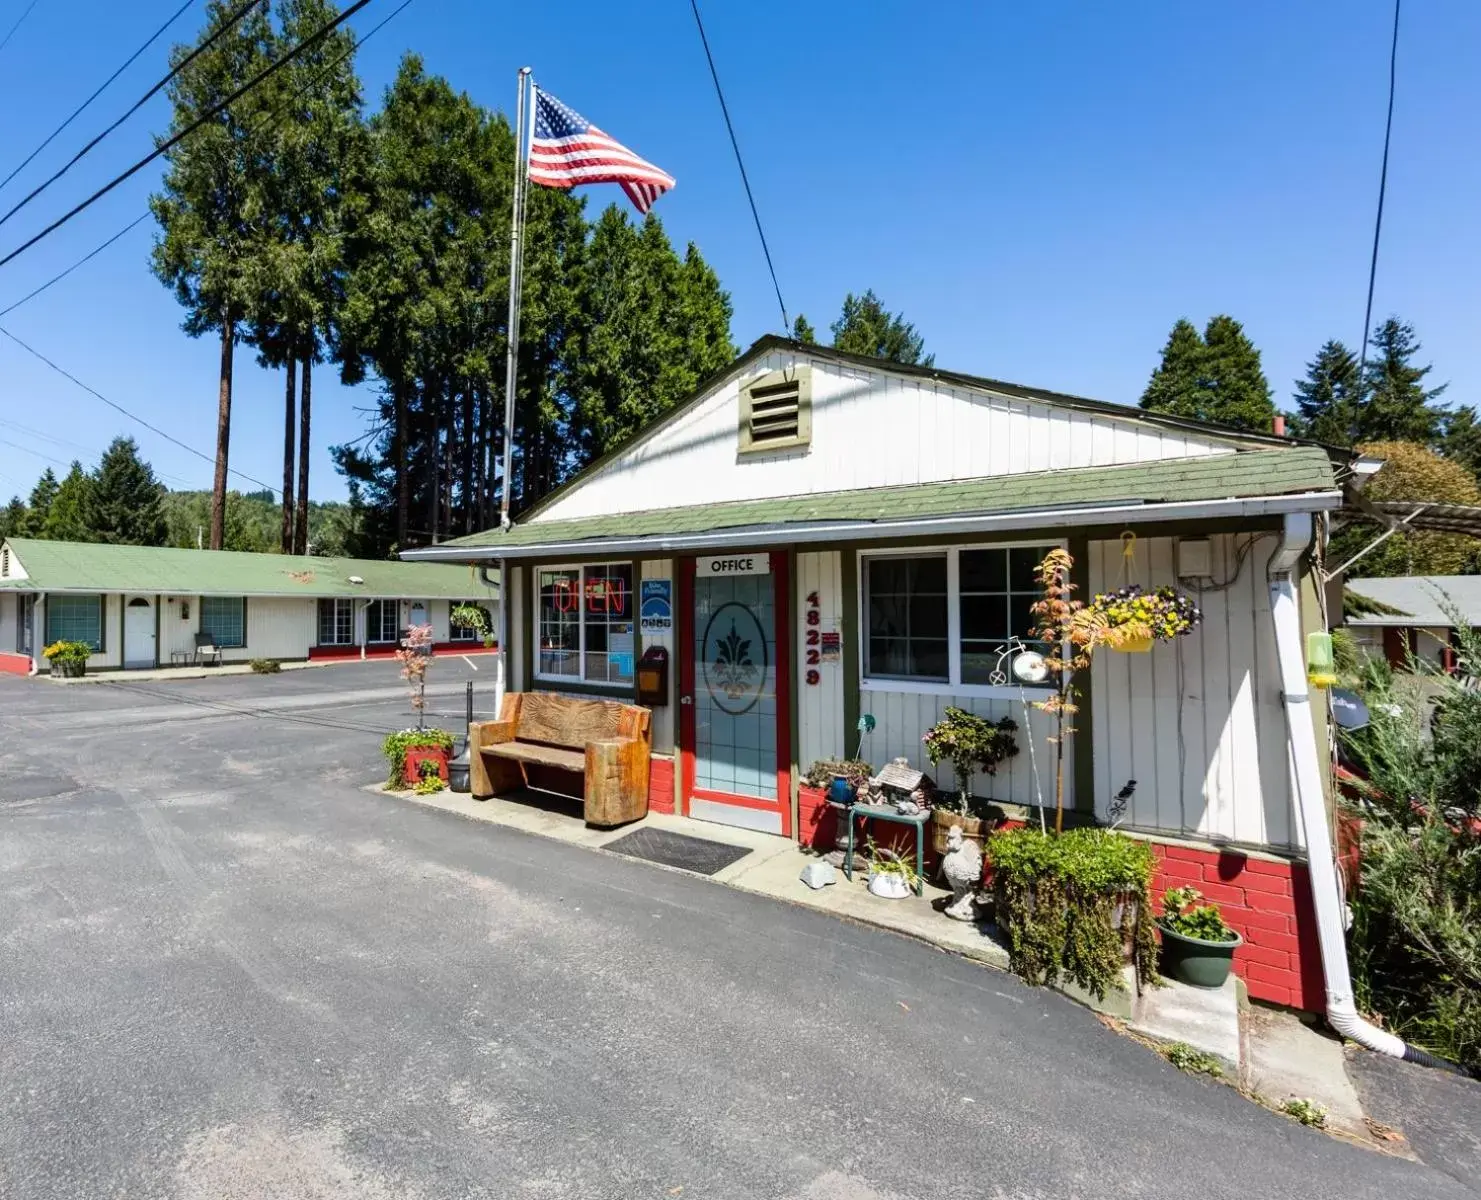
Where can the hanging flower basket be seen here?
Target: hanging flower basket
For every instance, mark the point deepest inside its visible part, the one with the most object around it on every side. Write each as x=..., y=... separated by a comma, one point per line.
x=1133, y=619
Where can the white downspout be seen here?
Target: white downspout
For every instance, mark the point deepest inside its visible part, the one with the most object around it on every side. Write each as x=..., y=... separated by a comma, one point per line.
x=1342, y=1013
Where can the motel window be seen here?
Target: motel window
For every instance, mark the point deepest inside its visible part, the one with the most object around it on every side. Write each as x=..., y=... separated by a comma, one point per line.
x=467, y=633
x=225, y=619
x=948, y=617
x=586, y=623
x=75, y=619
x=336, y=622
x=383, y=621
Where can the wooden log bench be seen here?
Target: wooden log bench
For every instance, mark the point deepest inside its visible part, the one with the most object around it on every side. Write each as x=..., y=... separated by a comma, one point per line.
x=608, y=744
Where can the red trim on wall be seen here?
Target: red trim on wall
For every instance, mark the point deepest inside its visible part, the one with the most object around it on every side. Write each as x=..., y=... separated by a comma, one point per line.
x=388, y=650
x=684, y=633
x=660, y=784
x=781, y=569
x=15, y=664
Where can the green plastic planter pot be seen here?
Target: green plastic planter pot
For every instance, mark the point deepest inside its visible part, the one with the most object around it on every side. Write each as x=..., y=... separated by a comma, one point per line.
x=1194, y=961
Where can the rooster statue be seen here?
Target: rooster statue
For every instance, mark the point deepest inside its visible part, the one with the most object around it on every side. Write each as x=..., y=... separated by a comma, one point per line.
x=962, y=866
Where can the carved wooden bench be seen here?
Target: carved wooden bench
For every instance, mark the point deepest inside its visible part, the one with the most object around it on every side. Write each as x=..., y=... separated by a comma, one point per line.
x=609, y=744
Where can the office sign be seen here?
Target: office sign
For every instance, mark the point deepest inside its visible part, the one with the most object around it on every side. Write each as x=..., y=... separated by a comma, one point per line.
x=733, y=564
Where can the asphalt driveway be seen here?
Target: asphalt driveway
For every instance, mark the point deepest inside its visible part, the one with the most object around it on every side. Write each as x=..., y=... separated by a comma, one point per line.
x=226, y=970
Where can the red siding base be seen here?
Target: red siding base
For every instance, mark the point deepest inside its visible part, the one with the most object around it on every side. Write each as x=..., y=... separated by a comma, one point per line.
x=661, y=784
x=15, y=664
x=1269, y=903
x=341, y=653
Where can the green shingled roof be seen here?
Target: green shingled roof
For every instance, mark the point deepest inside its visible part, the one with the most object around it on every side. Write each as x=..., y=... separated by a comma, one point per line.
x=83, y=567
x=1243, y=474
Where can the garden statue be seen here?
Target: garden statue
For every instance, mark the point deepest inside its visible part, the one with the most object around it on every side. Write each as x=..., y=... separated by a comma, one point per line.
x=962, y=867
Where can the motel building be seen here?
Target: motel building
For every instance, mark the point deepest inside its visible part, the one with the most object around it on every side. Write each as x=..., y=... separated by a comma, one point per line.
x=815, y=536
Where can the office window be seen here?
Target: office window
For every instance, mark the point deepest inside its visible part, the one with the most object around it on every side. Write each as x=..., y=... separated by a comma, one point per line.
x=75, y=619
x=225, y=619
x=336, y=622
x=906, y=618
x=586, y=623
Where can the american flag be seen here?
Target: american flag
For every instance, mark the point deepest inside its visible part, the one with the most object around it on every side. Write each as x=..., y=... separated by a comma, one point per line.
x=568, y=149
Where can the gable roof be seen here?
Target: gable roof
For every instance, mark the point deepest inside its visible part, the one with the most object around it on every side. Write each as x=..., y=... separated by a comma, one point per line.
x=768, y=343
x=1417, y=599
x=1297, y=476
x=88, y=567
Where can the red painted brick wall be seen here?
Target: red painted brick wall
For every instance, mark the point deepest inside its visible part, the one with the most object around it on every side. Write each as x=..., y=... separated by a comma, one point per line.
x=1269, y=904
x=661, y=784
x=15, y=664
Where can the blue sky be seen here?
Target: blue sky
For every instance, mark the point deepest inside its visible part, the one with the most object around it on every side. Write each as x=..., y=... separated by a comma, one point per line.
x=1043, y=189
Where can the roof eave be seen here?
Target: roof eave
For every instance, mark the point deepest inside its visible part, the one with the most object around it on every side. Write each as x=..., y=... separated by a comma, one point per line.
x=816, y=532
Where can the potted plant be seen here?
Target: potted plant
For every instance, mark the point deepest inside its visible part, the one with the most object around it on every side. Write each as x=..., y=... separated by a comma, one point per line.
x=397, y=744
x=68, y=660
x=828, y=786
x=971, y=744
x=1134, y=619
x=891, y=877
x=476, y=618
x=1197, y=943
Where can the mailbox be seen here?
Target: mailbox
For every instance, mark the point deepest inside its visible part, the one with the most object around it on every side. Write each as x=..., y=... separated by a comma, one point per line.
x=653, y=677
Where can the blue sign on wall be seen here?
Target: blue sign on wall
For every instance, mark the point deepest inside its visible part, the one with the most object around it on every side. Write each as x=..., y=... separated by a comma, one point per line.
x=656, y=612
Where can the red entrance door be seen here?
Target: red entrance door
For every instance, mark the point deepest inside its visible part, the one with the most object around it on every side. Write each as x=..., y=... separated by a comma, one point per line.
x=735, y=677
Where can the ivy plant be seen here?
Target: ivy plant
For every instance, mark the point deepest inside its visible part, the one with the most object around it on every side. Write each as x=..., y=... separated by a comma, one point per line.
x=1182, y=913
x=397, y=744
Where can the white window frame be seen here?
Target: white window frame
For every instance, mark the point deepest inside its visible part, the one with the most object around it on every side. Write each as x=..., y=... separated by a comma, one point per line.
x=580, y=569
x=952, y=685
x=400, y=630
x=318, y=625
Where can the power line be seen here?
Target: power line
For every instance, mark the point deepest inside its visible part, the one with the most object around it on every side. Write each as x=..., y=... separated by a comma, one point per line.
x=1388, y=129
x=77, y=112
x=138, y=104
x=735, y=145
x=5, y=41
x=170, y=143
x=272, y=117
x=31, y=350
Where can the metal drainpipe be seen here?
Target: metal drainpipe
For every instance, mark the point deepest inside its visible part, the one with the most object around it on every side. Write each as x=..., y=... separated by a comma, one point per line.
x=1342, y=1013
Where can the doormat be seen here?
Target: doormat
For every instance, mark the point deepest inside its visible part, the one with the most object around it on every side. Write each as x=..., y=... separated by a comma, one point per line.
x=678, y=850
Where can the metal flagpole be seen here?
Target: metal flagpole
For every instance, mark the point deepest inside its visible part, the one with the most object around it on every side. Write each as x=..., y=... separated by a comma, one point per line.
x=525, y=101
x=524, y=122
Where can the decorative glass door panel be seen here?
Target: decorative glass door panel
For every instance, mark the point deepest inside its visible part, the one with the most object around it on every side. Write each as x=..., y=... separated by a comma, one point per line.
x=735, y=686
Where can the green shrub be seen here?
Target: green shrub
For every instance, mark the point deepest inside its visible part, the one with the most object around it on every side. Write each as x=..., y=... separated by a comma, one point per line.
x=971, y=744
x=397, y=744
x=67, y=652
x=1059, y=899
x=1182, y=913
x=265, y=666
x=1416, y=936
x=428, y=785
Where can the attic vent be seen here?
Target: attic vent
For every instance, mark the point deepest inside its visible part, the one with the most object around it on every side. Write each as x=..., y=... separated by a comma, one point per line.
x=5, y=563
x=776, y=411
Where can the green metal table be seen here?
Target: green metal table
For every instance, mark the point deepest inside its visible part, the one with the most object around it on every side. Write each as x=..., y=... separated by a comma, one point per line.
x=891, y=815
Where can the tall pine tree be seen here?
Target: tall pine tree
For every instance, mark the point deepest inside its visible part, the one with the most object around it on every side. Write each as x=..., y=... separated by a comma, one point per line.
x=866, y=327
x=39, y=506
x=1396, y=405
x=1215, y=377
x=68, y=518
x=124, y=501
x=1329, y=398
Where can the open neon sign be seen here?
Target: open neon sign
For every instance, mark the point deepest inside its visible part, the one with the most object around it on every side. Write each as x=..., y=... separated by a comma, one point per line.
x=603, y=595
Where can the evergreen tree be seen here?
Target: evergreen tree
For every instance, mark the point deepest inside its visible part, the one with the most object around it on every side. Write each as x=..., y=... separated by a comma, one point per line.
x=1462, y=440
x=42, y=496
x=1329, y=399
x=1215, y=377
x=1397, y=406
x=67, y=519
x=13, y=519
x=802, y=331
x=865, y=327
x=211, y=211
x=124, y=503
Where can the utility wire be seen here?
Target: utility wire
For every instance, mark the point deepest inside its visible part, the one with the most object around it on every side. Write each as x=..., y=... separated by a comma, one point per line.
x=5, y=41
x=272, y=117
x=31, y=350
x=735, y=145
x=170, y=143
x=1388, y=129
x=77, y=112
x=138, y=104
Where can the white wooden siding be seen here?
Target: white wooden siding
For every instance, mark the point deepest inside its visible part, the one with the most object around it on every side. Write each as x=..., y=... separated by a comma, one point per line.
x=1197, y=722
x=112, y=654
x=903, y=717
x=869, y=429
x=663, y=715
x=820, y=731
